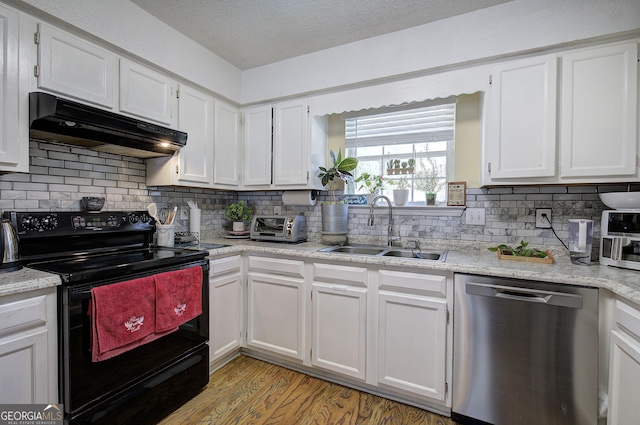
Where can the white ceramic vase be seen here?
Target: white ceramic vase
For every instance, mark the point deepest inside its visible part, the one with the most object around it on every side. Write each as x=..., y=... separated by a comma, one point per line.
x=400, y=197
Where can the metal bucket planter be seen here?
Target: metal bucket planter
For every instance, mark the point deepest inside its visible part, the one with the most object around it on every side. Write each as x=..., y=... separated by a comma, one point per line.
x=334, y=218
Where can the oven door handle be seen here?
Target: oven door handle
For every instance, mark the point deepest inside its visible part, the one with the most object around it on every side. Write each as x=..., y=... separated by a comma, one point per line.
x=81, y=294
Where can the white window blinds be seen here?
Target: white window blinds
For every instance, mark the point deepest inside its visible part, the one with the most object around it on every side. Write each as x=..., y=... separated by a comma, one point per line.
x=425, y=124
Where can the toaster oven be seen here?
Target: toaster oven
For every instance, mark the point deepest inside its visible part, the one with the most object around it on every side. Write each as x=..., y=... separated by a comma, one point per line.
x=279, y=228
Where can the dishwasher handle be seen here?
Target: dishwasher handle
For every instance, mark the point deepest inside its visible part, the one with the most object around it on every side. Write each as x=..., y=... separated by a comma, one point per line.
x=514, y=293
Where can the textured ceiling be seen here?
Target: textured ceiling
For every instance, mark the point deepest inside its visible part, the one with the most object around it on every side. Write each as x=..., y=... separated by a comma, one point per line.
x=251, y=33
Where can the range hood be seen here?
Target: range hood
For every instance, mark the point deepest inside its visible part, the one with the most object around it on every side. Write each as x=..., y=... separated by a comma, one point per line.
x=55, y=119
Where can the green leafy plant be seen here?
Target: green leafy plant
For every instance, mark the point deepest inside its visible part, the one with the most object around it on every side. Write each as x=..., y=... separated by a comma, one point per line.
x=238, y=211
x=411, y=162
x=521, y=250
x=340, y=169
x=372, y=183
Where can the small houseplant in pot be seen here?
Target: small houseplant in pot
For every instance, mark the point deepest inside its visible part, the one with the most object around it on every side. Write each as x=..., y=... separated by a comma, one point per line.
x=238, y=213
x=401, y=194
x=371, y=184
x=429, y=180
x=334, y=213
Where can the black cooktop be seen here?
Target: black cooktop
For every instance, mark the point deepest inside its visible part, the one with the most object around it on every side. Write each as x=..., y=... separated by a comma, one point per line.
x=98, y=267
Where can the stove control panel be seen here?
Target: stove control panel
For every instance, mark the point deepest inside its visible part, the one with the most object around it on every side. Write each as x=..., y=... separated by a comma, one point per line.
x=69, y=223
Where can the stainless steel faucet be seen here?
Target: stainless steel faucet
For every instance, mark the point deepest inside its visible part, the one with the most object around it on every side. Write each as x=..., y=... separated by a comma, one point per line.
x=390, y=237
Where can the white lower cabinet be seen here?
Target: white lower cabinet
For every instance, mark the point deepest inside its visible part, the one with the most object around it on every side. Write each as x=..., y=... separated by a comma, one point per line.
x=339, y=318
x=386, y=330
x=28, y=354
x=276, y=306
x=624, y=367
x=413, y=333
x=225, y=306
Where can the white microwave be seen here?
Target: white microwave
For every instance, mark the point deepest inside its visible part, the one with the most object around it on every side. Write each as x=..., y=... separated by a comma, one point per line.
x=620, y=239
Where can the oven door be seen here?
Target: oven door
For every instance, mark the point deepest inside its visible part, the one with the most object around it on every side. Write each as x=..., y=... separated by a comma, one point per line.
x=85, y=384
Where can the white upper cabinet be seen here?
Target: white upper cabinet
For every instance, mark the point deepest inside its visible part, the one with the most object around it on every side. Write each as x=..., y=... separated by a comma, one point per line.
x=284, y=147
x=257, y=146
x=594, y=131
x=227, y=150
x=14, y=143
x=598, y=130
x=193, y=164
x=290, y=144
x=146, y=94
x=75, y=68
x=195, y=117
x=522, y=129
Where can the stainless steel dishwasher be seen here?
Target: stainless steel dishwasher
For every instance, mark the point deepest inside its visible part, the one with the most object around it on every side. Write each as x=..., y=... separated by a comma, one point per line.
x=524, y=353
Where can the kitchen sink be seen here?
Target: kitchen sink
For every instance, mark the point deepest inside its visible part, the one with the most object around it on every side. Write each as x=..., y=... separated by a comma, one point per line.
x=388, y=252
x=434, y=256
x=358, y=250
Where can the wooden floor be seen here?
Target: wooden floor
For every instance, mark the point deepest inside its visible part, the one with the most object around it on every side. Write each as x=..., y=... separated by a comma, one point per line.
x=250, y=391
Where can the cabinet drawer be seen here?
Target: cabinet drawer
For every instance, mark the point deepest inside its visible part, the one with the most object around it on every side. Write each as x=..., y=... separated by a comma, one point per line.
x=221, y=266
x=628, y=317
x=19, y=314
x=339, y=274
x=413, y=282
x=277, y=266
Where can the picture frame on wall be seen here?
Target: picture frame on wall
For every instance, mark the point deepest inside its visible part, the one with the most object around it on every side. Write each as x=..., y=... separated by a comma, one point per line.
x=457, y=194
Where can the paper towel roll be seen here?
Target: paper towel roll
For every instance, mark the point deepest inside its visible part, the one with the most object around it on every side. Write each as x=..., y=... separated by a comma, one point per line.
x=298, y=197
x=194, y=220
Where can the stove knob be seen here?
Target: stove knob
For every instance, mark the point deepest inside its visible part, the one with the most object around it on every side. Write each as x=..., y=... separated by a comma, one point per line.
x=133, y=218
x=49, y=222
x=30, y=223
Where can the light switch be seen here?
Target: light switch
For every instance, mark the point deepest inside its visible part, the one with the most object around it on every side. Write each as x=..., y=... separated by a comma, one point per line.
x=277, y=209
x=475, y=216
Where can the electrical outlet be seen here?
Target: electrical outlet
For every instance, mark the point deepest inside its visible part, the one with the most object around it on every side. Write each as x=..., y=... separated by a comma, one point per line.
x=184, y=213
x=541, y=221
x=476, y=216
x=277, y=209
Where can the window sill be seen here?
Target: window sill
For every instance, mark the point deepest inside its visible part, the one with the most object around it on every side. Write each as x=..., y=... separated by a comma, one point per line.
x=440, y=211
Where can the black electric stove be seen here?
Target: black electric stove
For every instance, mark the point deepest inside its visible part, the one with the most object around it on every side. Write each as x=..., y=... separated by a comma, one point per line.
x=88, y=250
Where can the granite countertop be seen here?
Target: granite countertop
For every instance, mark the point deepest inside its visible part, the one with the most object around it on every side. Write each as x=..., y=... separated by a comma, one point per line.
x=472, y=259
x=25, y=280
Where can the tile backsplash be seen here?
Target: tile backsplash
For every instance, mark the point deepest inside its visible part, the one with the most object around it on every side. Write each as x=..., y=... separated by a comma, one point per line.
x=60, y=175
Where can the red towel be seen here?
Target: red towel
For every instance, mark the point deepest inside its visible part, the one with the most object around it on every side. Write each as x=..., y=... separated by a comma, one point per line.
x=122, y=317
x=178, y=297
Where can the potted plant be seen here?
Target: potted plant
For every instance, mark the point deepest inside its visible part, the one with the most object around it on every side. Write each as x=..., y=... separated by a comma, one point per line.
x=396, y=166
x=372, y=184
x=334, y=213
x=404, y=167
x=429, y=180
x=390, y=166
x=401, y=194
x=411, y=163
x=238, y=213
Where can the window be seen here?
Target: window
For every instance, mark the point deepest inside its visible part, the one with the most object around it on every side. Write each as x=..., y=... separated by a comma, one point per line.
x=424, y=134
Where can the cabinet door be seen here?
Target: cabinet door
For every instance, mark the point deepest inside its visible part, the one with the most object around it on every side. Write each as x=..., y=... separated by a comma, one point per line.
x=276, y=314
x=257, y=146
x=146, y=94
x=291, y=144
x=598, y=131
x=624, y=379
x=412, y=344
x=195, y=117
x=23, y=363
x=522, y=128
x=226, y=151
x=339, y=328
x=75, y=68
x=224, y=315
x=14, y=149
